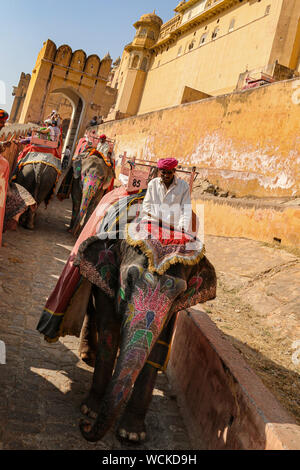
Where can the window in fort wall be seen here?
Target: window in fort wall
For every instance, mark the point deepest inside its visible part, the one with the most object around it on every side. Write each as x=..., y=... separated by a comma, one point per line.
x=215, y=33
x=203, y=39
x=142, y=32
x=144, y=64
x=179, y=51
x=191, y=45
x=135, y=62
x=268, y=10
x=231, y=26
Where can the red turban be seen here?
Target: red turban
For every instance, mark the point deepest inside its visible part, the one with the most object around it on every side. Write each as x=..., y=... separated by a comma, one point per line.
x=103, y=136
x=167, y=164
x=3, y=115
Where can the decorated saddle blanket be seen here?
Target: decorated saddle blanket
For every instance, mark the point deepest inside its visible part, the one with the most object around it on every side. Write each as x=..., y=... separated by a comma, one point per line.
x=17, y=201
x=59, y=317
x=98, y=154
x=39, y=149
x=164, y=246
x=95, y=257
x=38, y=157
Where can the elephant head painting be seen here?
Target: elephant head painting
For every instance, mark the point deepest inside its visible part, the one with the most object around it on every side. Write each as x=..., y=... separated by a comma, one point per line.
x=127, y=292
x=93, y=175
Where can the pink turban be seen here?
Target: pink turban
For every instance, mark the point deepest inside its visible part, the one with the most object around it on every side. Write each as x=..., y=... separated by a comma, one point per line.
x=167, y=164
x=3, y=115
x=103, y=136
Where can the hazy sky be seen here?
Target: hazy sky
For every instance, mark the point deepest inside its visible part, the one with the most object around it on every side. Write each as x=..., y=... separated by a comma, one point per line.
x=96, y=26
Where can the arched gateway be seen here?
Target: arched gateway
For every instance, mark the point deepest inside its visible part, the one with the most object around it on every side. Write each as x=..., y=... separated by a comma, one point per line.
x=71, y=83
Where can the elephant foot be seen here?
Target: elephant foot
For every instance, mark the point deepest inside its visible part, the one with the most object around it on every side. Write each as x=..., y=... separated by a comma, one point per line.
x=131, y=429
x=89, y=357
x=90, y=406
x=86, y=429
x=94, y=432
x=29, y=226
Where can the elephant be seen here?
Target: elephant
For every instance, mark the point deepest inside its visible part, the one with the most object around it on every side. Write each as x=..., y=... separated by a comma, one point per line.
x=38, y=178
x=90, y=182
x=120, y=295
x=131, y=310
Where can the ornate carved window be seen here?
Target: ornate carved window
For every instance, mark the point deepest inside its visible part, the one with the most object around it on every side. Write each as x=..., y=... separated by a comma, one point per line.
x=144, y=64
x=135, y=61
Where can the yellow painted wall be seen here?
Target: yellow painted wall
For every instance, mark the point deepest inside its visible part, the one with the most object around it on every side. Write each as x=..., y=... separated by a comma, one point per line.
x=231, y=218
x=246, y=142
x=73, y=75
x=214, y=67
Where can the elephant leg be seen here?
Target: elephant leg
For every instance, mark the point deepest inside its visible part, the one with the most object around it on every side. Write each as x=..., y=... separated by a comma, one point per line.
x=26, y=177
x=76, y=195
x=39, y=179
x=108, y=328
x=132, y=424
x=88, y=337
x=136, y=344
x=30, y=219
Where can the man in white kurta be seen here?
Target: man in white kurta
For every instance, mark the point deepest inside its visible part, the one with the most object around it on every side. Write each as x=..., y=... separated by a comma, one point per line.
x=103, y=146
x=168, y=199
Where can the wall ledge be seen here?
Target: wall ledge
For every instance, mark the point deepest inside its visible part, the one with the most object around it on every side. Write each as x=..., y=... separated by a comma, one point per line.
x=223, y=402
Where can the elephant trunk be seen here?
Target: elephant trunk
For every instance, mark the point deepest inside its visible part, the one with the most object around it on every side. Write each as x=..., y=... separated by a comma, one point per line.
x=137, y=342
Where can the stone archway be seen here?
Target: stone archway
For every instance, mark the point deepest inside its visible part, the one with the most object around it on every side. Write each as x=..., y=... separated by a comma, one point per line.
x=78, y=109
x=65, y=127
x=72, y=81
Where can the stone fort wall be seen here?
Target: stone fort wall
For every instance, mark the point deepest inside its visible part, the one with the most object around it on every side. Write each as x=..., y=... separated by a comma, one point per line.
x=247, y=142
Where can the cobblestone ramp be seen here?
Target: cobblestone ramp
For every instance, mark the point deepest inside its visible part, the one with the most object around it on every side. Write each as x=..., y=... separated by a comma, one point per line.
x=43, y=385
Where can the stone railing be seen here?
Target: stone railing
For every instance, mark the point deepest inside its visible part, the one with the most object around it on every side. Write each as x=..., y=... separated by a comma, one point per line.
x=211, y=3
x=170, y=26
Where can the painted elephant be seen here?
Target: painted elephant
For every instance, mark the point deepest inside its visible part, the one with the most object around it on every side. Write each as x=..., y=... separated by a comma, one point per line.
x=131, y=310
x=38, y=176
x=92, y=178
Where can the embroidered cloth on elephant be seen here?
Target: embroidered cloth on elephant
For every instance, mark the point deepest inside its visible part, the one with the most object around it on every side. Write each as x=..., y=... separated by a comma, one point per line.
x=164, y=246
x=17, y=201
x=38, y=149
x=59, y=317
x=39, y=157
x=65, y=308
x=98, y=154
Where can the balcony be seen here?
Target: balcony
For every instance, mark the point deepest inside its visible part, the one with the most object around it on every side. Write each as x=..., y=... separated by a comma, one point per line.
x=174, y=27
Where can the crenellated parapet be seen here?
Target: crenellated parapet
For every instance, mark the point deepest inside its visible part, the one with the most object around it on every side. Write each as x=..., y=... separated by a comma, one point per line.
x=76, y=61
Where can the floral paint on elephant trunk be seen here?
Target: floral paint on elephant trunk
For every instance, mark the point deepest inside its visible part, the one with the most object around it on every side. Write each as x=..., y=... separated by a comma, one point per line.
x=145, y=318
x=91, y=184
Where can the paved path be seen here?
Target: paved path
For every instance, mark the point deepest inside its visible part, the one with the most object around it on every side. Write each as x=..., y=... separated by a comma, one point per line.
x=42, y=385
x=257, y=308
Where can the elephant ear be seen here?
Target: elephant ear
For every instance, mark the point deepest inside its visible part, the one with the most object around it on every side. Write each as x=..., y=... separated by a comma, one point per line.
x=202, y=286
x=103, y=274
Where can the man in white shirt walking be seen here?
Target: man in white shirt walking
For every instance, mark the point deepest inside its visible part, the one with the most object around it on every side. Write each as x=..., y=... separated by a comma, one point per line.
x=168, y=199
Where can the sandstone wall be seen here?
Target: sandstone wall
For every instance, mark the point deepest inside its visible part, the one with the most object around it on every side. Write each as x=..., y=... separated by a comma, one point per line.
x=247, y=142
